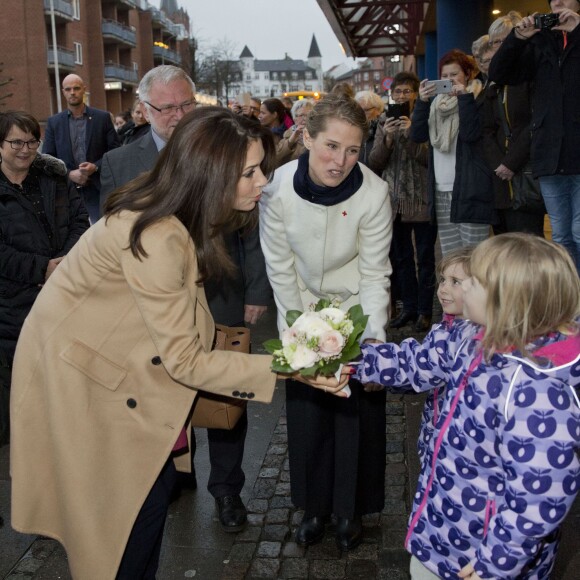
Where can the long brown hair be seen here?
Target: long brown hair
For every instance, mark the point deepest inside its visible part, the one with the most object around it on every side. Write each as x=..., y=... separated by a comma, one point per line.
x=195, y=179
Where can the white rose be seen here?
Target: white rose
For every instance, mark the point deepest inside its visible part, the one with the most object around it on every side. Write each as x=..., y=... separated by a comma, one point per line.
x=311, y=324
x=289, y=336
x=303, y=358
x=336, y=315
x=330, y=344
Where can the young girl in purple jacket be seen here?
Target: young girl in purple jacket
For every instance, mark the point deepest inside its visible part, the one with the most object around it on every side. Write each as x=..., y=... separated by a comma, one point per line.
x=501, y=470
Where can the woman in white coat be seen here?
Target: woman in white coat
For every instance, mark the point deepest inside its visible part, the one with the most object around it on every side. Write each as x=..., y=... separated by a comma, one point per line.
x=325, y=227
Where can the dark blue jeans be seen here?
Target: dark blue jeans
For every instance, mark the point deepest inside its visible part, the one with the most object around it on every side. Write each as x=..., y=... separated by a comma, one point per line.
x=561, y=195
x=415, y=281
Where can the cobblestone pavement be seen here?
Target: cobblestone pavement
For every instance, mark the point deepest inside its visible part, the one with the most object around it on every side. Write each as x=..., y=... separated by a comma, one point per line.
x=266, y=549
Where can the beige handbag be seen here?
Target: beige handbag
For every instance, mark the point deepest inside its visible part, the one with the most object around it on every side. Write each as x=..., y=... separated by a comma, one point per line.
x=212, y=411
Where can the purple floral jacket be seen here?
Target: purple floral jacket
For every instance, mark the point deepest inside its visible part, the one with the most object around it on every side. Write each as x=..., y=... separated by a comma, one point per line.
x=501, y=470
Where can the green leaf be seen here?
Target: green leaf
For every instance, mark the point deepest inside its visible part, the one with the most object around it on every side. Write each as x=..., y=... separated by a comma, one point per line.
x=350, y=353
x=272, y=345
x=309, y=372
x=280, y=368
x=292, y=316
x=322, y=303
x=330, y=368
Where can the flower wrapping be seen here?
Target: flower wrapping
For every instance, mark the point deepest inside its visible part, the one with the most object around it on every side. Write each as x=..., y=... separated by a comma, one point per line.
x=319, y=340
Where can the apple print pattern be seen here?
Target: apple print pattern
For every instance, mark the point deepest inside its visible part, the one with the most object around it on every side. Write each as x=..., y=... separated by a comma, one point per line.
x=499, y=450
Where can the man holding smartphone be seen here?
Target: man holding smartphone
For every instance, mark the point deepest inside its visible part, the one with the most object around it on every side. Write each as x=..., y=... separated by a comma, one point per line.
x=549, y=58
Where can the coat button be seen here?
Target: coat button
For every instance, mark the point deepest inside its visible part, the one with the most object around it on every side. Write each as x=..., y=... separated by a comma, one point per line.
x=156, y=360
x=131, y=403
x=243, y=395
x=236, y=394
x=251, y=395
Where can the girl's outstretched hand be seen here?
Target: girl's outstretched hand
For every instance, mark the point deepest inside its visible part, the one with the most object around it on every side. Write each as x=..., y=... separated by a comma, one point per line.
x=468, y=573
x=329, y=385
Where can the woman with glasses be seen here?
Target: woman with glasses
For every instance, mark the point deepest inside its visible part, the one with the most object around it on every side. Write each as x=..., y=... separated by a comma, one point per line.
x=373, y=106
x=403, y=165
x=291, y=146
x=41, y=218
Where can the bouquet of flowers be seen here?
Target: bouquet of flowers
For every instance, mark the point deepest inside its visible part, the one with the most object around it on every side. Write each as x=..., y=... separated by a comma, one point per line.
x=318, y=341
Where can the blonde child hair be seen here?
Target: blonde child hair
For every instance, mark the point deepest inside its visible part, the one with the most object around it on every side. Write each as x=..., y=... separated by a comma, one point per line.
x=460, y=256
x=532, y=289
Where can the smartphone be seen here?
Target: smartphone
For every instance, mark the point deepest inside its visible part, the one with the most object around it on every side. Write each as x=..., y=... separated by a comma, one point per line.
x=397, y=110
x=244, y=99
x=442, y=87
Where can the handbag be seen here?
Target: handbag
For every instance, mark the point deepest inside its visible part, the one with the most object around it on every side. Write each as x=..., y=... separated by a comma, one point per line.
x=211, y=411
x=525, y=191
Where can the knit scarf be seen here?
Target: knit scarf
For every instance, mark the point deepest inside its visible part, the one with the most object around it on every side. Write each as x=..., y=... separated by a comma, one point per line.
x=444, y=118
x=319, y=194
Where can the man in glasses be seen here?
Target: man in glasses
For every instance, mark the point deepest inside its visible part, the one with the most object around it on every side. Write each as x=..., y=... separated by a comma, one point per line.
x=167, y=93
x=80, y=136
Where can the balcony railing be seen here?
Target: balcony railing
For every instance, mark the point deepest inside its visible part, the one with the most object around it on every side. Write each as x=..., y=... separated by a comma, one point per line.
x=166, y=55
x=62, y=9
x=118, y=72
x=118, y=31
x=66, y=57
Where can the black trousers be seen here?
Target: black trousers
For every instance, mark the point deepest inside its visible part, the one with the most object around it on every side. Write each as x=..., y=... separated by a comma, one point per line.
x=337, y=450
x=141, y=558
x=5, y=381
x=519, y=221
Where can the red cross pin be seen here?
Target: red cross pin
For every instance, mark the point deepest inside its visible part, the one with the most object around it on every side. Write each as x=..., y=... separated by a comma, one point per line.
x=344, y=213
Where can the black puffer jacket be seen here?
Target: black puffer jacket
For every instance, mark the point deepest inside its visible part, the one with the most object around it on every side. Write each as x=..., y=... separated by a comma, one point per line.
x=25, y=247
x=555, y=72
x=473, y=197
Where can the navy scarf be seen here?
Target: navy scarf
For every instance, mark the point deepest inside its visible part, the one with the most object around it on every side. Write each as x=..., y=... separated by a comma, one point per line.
x=319, y=194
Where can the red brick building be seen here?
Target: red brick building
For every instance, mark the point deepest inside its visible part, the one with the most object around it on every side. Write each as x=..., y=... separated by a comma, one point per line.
x=111, y=44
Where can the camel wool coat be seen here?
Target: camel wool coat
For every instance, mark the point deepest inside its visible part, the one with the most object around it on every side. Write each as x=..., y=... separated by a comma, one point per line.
x=105, y=375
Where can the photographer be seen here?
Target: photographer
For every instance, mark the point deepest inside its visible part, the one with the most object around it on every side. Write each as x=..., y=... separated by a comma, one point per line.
x=549, y=56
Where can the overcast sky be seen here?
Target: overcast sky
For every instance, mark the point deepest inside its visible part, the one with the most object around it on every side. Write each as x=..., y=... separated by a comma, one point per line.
x=270, y=28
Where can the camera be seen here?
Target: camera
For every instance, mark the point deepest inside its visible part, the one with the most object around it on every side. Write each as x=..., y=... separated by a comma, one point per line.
x=546, y=21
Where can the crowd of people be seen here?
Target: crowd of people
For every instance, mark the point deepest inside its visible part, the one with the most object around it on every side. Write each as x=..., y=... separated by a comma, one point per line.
x=129, y=236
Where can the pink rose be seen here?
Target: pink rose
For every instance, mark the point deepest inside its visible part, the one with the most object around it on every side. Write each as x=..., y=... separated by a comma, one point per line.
x=330, y=343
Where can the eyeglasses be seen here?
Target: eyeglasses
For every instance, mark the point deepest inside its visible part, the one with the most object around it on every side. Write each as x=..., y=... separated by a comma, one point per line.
x=18, y=144
x=403, y=91
x=484, y=60
x=172, y=109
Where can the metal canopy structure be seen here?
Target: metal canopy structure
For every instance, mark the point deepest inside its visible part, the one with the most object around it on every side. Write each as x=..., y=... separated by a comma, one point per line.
x=367, y=28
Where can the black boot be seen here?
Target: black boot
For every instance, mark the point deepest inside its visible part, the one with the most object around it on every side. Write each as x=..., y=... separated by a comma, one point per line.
x=311, y=531
x=348, y=533
x=232, y=513
x=404, y=318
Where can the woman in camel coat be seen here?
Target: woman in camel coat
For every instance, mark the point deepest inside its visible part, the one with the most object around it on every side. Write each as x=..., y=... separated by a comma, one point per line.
x=118, y=342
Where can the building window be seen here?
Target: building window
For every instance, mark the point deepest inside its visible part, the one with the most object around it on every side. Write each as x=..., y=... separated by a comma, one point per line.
x=76, y=5
x=78, y=48
x=377, y=76
x=256, y=76
x=308, y=75
x=266, y=76
x=366, y=76
x=294, y=76
x=248, y=78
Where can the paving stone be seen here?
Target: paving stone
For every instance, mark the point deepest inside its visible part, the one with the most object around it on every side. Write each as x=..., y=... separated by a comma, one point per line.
x=326, y=550
x=395, y=428
x=395, y=447
x=394, y=565
x=394, y=408
x=235, y=570
x=294, y=569
x=269, y=549
x=401, y=436
x=361, y=570
x=395, y=491
x=327, y=569
x=264, y=488
x=255, y=519
x=392, y=522
x=269, y=472
x=394, y=507
x=279, y=438
x=277, y=516
x=264, y=568
x=242, y=552
x=394, y=539
x=281, y=501
x=297, y=517
x=283, y=489
x=278, y=449
x=395, y=478
x=293, y=550
x=395, y=457
x=372, y=534
x=371, y=520
x=258, y=506
x=250, y=534
x=392, y=469
x=365, y=552
x=273, y=461
x=395, y=419
x=285, y=476
x=277, y=533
